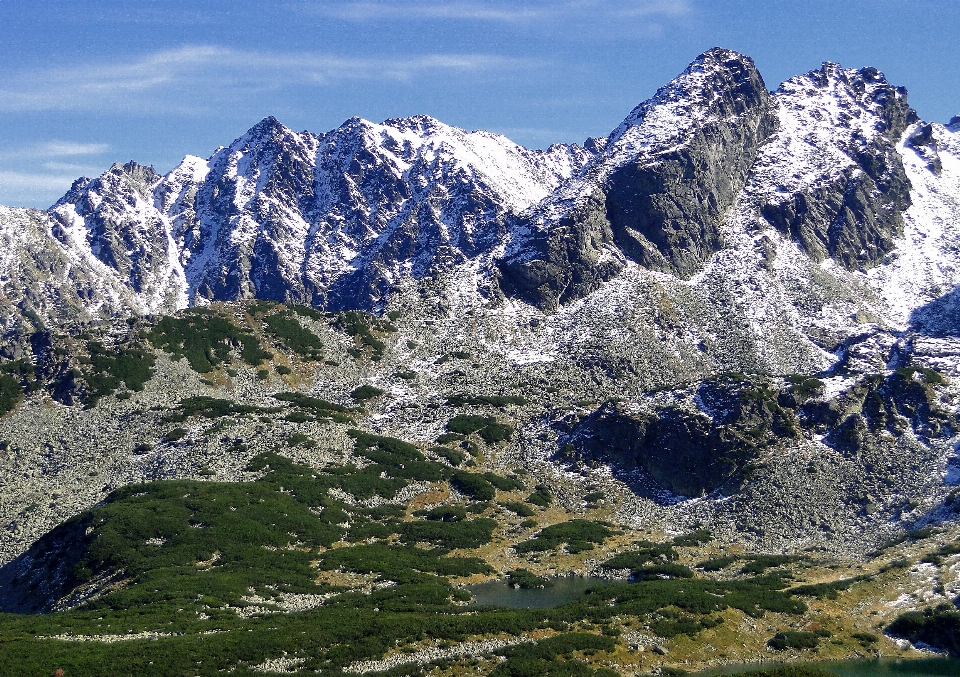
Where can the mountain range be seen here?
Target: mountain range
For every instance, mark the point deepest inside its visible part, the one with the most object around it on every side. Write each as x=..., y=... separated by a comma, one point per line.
x=738, y=313
x=833, y=171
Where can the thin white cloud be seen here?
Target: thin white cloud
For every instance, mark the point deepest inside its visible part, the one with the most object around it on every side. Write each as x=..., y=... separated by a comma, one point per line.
x=191, y=78
x=11, y=181
x=70, y=148
x=54, y=150
x=497, y=12
x=76, y=168
x=39, y=173
x=366, y=11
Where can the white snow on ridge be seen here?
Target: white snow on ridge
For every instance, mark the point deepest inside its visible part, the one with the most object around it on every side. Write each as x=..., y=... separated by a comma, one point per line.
x=413, y=196
x=657, y=126
x=926, y=263
x=821, y=118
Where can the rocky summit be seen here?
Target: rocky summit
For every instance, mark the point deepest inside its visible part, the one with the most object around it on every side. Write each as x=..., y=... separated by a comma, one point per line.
x=281, y=409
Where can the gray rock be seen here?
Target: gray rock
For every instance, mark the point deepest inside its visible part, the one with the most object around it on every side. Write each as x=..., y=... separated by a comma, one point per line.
x=855, y=216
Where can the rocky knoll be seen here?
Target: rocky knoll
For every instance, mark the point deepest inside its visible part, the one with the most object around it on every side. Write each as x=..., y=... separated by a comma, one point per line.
x=711, y=437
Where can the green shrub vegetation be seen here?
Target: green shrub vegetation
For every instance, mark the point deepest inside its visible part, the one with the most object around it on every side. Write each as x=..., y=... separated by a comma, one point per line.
x=130, y=366
x=361, y=326
x=503, y=483
x=307, y=311
x=698, y=537
x=444, y=513
x=189, y=556
x=365, y=392
x=939, y=627
x=522, y=578
x=10, y=393
x=319, y=408
x=791, y=639
x=946, y=550
x=176, y=434
x=829, y=590
x=804, y=387
x=594, y=497
x=662, y=570
x=554, y=657
x=717, y=563
x=473, y=485
x=541, y=496
x=300, y=340
x=454, y=456
x=930, y=376
x=577, y=534
x=518, y=508
x=760, y=563
x=396, y=563
x=449, y=535
x=645, y=554
x=671, y=623
x=205, y=339
x=21, y=377
x=212, y=407
x=487, y=427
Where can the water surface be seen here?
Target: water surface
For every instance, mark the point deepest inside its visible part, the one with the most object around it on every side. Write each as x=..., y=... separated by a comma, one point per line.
x=499, y=593
x=883, y=667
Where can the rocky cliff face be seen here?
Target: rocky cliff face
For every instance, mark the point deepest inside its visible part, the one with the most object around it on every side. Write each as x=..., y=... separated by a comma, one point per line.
x=846, y=197
x=658, y=191
x=112, y=222
x=332, y=220
x=339, y=220
x=714, y=437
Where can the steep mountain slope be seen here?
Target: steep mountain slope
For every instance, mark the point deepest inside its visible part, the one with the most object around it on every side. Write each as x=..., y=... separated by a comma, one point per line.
x=339, y=220
x=330, y=220
x=736, y=318
x=721, y=228
x=657, y=193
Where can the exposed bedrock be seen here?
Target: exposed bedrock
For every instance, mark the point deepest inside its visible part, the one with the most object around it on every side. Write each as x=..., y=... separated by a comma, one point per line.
x=663, y=208
x=665, y=211
x=684, y=449
x=854, y=216
x=711, y=436
x=570, y=260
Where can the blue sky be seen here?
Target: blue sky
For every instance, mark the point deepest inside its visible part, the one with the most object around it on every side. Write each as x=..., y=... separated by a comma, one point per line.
x=84, y=84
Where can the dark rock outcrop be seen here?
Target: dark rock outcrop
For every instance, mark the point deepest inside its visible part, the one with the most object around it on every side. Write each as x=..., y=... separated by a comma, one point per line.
x=855, y=216
x=901, y=401
x=665, y=211
x=662, y=206
x=567, y=262
x=687, y=452
x=134, y=248
x=693, y=451
x=924, y=144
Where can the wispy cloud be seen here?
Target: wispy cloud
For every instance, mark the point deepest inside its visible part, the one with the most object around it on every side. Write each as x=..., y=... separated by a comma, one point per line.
x=191, y=78
x=54, y=149
x=366, y=11
x=417, y=10
x=12, y=182
x=37, y=174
